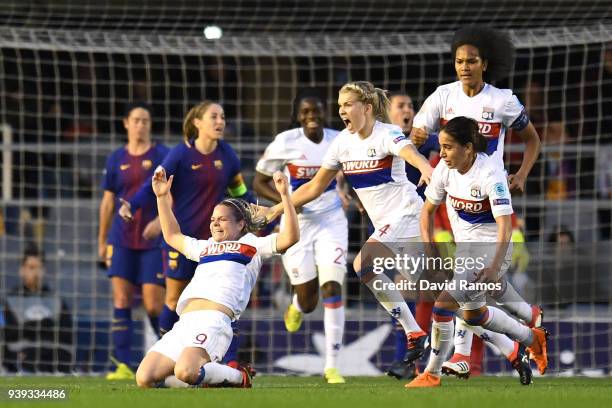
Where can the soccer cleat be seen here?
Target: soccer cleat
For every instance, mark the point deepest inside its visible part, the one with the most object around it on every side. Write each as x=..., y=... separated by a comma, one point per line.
x=417, y=344
x=537, y=314
x=458, y=365
x=247, y=381
x=402, y=371
x=293, y=319
x=537, y=349
x=123, y=372
x=332, y=376
x=424, y=380
x=520, y=362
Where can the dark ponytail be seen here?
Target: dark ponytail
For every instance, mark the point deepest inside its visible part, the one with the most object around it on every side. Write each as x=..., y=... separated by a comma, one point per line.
x=465, y=130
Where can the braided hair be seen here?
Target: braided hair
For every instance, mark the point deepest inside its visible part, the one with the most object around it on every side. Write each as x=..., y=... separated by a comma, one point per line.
x=243, y=211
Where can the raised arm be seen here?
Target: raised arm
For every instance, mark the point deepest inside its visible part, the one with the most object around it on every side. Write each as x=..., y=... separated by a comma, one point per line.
x=410, y=154
x=290, y=232
x=307, y=192
x=170, y=227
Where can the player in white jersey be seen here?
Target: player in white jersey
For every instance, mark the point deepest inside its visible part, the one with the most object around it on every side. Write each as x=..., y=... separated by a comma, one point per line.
x=372, y=154
x=229, y=263
x=319, y=258
x=479, y=208
x=482, y=55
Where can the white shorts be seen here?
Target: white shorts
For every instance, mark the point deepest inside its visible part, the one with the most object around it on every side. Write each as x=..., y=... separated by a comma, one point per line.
x=472, y=299
x=398, y=231
x=207, y=329
x=322, y=247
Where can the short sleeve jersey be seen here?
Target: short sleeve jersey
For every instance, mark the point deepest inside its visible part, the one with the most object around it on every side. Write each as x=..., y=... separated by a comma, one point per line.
x=473, y=199
x=226, y=271
x=495, y=110
x=376, y=172
x=124, y=175
x=300, y=159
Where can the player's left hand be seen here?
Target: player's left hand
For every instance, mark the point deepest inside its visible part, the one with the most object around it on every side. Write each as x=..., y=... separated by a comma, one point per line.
x=516, y=183
x=426, y=173
x=152, y=229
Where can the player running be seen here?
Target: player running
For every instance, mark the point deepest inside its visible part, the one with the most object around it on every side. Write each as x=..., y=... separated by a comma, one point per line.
x=131, y=252
x=371, y=154
x=482, y=55
x=479, y=208
x=228, y=265
x=319, y=258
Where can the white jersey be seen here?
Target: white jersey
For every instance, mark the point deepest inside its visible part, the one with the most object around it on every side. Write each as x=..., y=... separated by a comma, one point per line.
x=300, y=159
x=473, y=199
x=494, y=109
x=226, y=271
x=375, y=171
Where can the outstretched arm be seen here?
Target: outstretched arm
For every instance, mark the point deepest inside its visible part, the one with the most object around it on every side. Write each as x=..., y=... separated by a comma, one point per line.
x=410, y=154
x=290, y=232
x=170, y=227
x=307, y=192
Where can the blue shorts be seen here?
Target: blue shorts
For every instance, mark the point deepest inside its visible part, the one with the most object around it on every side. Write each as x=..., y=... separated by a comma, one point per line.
x=176, y=266
x=136, y=265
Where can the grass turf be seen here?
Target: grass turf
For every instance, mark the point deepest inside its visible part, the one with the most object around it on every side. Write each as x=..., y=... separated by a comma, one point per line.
x=312, y=392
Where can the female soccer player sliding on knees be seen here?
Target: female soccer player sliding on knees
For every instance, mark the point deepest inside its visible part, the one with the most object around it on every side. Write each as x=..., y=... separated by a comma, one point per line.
x=479, y=208
x=228, y=265
x=319, y=259
x=482, y=55
x=371, y=154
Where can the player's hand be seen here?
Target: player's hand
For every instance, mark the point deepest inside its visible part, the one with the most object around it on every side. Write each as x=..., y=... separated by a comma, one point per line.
x=281, y=183
x=161, y=184
x=487, y=275
x=426, y=173
x=516, y=183
x=103, y=261
x=152, y=229
x=125, y=211
x=418, y=136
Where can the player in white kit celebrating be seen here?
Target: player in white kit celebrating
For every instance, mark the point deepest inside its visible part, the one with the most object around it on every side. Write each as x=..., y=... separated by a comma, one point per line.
x=319, y=258
x=481, y=55
x=229, y=263
x=479, y=209
x=372, y=154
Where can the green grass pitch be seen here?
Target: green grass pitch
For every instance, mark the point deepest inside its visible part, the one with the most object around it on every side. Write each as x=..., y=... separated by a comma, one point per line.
x=312, y=392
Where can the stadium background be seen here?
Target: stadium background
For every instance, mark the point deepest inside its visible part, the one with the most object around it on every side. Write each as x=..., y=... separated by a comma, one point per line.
x=67, y=69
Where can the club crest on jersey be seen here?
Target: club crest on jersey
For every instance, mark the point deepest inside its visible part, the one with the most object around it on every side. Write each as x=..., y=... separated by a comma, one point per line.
x=488, y=113
x=147, y=164
x=475, y=191
x=218, y=164
x=371, y=152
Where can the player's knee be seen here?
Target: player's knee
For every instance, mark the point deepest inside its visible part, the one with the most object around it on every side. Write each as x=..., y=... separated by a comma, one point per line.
x=331, y=288
x=122, y=301
x=187, y=374
x=308, y=304
x=144, y=379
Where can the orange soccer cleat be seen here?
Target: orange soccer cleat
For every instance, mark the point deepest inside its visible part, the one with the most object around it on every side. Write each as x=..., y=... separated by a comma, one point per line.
x=537, y=349
x=425, y=380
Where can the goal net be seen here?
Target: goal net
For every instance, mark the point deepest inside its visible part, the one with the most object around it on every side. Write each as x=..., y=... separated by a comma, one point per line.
x=67, y=70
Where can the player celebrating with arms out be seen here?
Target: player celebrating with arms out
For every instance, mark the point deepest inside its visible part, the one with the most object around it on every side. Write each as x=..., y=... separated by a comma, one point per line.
x=228, y=265
x=372, y=154
x=319, y=259
x=479, y=208
x=482, y=55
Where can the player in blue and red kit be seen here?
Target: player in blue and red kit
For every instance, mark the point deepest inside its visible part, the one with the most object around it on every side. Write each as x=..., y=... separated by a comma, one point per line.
x=131, y=251
x=205, y=170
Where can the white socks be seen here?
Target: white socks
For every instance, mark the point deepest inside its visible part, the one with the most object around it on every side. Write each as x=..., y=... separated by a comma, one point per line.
x=394, y=303
x=334, y=331
x=511, y=301
x=216, y=373
x=498, y=321
x=441, y=344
